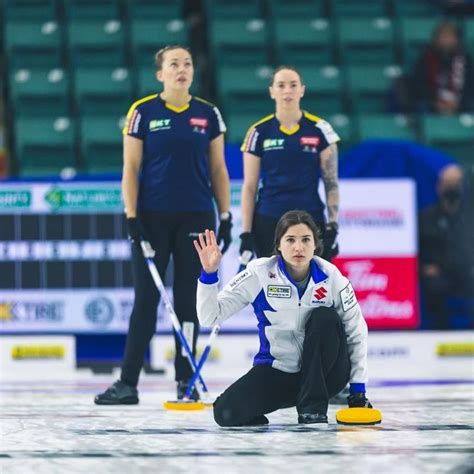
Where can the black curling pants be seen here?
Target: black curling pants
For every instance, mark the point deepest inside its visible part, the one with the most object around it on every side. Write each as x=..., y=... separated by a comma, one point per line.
x=325, y=371
x=170, y=234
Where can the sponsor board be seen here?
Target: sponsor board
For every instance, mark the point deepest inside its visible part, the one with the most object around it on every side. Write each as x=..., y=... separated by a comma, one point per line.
x=84, y=311
x=455, y=349
x=44, y=351
x=405, y=355
x=65, y=311
x=377, y=218
x=392, y=356
x=61, y=198
x=15, y=199
x=386, y=289
x=48, y=357
x=377, y=243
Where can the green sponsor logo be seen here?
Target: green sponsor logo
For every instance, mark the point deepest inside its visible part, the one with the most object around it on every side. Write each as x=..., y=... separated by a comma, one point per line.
x=159, y=124
x=15, y=199
x=273, y=143
x=81, y=199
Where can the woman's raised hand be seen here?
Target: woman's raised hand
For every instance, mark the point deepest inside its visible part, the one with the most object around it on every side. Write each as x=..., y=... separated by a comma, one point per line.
x=208, y=251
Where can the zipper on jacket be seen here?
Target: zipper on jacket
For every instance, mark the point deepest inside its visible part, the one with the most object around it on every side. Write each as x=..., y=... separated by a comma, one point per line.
x=297, y=322
x=300, y=349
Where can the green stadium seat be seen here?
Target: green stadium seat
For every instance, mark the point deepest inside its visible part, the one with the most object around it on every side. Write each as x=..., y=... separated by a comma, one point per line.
x=353, y=8
x=42, y=10
x=452, y=134
x=245, y=89
x=44, y=146
x=345, y=127
x=386, y=126
x=148, y=36
x=148, y=84
x=101, y=143
x=238, y=125
x=469, y=34
x=296, y=40
x=239, y=41
x=102, y=90
x=155, y=9
x=233, y=9
x=94, y=9
x=33, y=43
x=420, y=8
x=324, y=93
x=366, y=41
x=369, y=87
x=415, y=35
x=96, y=42
x=297, y=9
x=39, y=92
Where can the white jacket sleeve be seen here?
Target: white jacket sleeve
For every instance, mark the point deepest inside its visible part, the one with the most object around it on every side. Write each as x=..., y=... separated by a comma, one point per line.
x=346, y=305
x=214, y=307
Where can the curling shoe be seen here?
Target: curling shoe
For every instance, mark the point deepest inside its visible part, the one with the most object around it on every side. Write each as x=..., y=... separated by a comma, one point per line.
x=309, y=418
x=181, y=391
x=119, y=393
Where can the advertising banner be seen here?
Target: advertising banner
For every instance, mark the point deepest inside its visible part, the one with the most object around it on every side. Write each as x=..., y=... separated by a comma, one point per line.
x=64, y=257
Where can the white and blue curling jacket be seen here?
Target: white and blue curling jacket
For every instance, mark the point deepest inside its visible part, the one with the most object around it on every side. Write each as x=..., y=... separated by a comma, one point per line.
x=282, y=310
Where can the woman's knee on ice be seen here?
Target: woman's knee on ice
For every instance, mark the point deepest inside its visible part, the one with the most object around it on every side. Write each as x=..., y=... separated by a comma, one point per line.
x=225, y=414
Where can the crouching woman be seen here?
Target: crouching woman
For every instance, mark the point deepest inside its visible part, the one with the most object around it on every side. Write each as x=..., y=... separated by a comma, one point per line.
x=313, y=337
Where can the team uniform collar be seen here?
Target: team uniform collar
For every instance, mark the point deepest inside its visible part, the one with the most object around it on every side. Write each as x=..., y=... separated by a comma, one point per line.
x=177, y=110
x=317, y=274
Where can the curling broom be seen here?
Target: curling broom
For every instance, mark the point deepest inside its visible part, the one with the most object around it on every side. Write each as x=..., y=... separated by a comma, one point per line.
x=201, y=388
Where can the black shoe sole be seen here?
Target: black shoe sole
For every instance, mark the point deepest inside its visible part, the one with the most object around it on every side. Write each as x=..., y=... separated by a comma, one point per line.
x=122, y=401
x=312, y=422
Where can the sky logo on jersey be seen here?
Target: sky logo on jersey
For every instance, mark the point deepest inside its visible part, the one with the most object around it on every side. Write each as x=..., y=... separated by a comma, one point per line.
x=199, y=124
x=310, y=144
x=273, y=144
x=163, y=124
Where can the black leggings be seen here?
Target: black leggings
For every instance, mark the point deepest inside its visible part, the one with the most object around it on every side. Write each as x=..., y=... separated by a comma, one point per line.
x=170, y=234
x=263, y=230
x=325, y=371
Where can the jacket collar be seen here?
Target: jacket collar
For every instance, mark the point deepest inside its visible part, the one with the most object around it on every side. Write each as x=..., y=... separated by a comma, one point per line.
x=317, y=274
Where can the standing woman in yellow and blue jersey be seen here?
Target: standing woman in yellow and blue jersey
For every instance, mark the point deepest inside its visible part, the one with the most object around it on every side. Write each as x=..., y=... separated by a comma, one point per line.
x=173, y=169
x=290, y=149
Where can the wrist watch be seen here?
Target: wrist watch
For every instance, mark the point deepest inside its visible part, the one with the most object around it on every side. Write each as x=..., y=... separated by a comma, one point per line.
x=224, y=216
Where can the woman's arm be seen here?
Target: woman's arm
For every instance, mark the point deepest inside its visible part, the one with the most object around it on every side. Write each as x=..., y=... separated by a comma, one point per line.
x=132, y=160
x=329, y=167
x=355, y=327
x=249, y=189
x=218, y=174
x=214, y=307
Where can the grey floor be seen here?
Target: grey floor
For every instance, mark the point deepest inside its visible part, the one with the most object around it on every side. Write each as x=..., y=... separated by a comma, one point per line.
x=49, y=427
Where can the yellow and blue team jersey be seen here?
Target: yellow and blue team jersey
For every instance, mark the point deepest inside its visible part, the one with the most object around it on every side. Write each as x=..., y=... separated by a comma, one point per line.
x=174, y=174
x=289, y=163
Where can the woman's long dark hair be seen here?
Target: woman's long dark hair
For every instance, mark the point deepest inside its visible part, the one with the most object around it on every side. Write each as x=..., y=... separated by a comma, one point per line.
x=292, y=218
